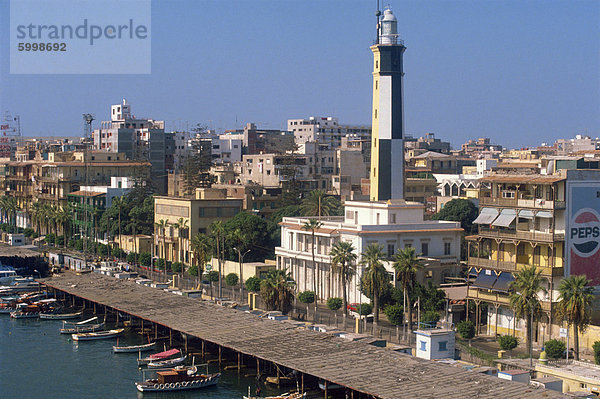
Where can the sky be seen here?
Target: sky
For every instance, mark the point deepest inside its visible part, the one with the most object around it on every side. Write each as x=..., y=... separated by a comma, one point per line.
x=519, y=72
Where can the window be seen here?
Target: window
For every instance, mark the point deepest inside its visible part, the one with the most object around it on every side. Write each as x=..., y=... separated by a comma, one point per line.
x=391, y=249
x=442, y=346
x=425, y=248
x=392, y=218
x=447, y=248
x=501, y=252
x=376, y=84
x=407, y=245
x=423, y=346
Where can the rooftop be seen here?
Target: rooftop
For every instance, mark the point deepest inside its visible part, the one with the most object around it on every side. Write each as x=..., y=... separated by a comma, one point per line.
x=522, y=179
x=365, y=368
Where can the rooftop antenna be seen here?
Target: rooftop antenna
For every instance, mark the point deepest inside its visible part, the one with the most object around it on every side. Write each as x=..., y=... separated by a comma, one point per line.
x=377, y=15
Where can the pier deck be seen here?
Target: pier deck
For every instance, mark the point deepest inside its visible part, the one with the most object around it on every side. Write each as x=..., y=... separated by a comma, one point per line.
x=364, y=368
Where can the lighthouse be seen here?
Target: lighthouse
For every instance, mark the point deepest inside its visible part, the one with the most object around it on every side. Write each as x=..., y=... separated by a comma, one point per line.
x=387, y=145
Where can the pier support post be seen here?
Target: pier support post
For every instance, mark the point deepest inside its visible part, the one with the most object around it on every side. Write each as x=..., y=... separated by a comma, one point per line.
x=117, y=323
x=73, y=297
x=239, y=362
x=325, y=389
x=219, y=356
x=94, y=307
x=170, y=337
x=278, y=378
x=185, y=341
x=155, y=331
x=142, y=327
x=257, y=368
x=202, y=349
x=302, y=382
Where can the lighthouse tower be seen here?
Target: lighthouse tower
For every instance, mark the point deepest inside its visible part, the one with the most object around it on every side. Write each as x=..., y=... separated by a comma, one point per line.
x=387, y=146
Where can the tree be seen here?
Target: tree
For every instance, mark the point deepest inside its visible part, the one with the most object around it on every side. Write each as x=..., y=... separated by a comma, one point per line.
x=131, y=257
x=306, y=297
x=406, y=264
x=218, y=233
x=365, y=309
x=342, y=261
x=319, y=204
x=145, y=259
x=247, y=231
x=575, y=303
x=232, y=279
x=312, y=225
x=555, y=349
x=162, y=225
x=596, y=348
x=213, y=276
x=276, y=290
x=524, y=296
x=36, y=212
x=253, y=284
x=374, y=275
x=430, y=318
x=63, y=217
x=394, y=314
x=196, y=167
x=241, y=242
x=201, y=248
x=507, y=342
x=182, y=230
x=466, y=329
x=458, y=210
x=176, y=267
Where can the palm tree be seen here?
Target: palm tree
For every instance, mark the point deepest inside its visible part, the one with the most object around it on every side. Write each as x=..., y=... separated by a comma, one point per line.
x=318, y=204
x=312, y=225
x=276, y=290
x=524, y=297
x=181, y=225
x=63, y=217
x=241, y=243
x=36, y=212
x=218, y=231
x=342, y=259
x=201, y=247
x=119, y=202
x=406, y=264
x=575, y=303
x=375, y=275
x=10, y=206
x=162, y=225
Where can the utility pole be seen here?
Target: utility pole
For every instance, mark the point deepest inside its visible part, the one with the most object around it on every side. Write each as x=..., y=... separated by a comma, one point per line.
x=87, y=119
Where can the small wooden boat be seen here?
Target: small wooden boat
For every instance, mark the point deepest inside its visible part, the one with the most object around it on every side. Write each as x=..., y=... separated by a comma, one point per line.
x=288, y=395
x=330, y=386
x=167, y=362
x=24, y=315
x=60, y=316
x=97, y=335
x=178, y=379
x=134, y=348
x=281, y=381
x=158, y=356
x=83, y=329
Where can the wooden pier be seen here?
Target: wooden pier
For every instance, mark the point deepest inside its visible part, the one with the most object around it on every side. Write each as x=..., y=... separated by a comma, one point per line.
x=365, y=370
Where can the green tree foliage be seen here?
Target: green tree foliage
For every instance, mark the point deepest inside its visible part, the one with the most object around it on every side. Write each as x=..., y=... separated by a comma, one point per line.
x=459, y=210
x=193, y=270
x=406, y=263
x=318, y=204
x=466, y=329
x=276, y=217
x=253, y=284
x=161, y=264
x=430, y=318
x=343, y=258
x=334, y=303
x=374, y=278
x=306, y=297
x=137, y=211
x=116, y=252
x=555, y=349
x=394, y=314
x=212, y=276
x=145, y=259
x=196, y=168
x=256, y=237
x=231, y=279
x=276, y=290
x=507, y=342
x=365, y=309
x=431, y=297
x=596, y=349
x=176, y=267
x=575, y=304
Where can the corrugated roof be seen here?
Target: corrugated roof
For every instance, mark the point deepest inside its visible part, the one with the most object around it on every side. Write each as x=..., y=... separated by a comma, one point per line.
x=365, y=368
x=86, y=193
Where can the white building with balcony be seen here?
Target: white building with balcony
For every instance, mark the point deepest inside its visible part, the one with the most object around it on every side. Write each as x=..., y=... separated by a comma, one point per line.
x=392, y=224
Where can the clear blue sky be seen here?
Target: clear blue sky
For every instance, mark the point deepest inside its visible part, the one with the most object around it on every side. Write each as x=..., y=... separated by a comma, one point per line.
x=520, y=72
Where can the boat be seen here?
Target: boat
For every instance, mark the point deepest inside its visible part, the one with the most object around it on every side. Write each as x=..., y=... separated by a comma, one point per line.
x=158, y=356
x=178, y=379
x=134, y=348
x=330, y=386
x=60, y=316
x=20, y=314
x=167, y=362
x=97, y=335
x=81, y=327
x=287, y=395
x=281, y=381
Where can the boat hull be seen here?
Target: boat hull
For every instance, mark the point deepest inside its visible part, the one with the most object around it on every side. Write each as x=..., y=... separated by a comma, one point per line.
x=58, y=316
x=167, y=363
x=135, y=348
x=95, y=336
x=178, y=386
x=17, y=315
x=83, y=329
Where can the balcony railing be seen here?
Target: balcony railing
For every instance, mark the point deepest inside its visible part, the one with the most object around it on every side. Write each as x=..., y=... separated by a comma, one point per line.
x=505, y=266
x=520, y=234
x=496, y=297
x=522, y=203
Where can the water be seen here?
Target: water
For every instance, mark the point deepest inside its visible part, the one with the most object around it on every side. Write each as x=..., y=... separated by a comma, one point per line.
x=38, y=362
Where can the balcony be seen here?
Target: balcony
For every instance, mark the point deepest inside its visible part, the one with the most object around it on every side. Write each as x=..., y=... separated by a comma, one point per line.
x=522, y=203
x=504, y=266
x=496, y=297
x=520, y=234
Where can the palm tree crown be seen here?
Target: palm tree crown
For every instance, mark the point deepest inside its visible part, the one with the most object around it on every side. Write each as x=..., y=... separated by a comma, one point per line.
x=575, y=302
x=374, y=275
x=342, y=259
x=318, y=204
x=406, y=263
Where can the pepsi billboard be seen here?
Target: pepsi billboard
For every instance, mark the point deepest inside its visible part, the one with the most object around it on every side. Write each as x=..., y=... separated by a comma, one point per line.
x=583, y=230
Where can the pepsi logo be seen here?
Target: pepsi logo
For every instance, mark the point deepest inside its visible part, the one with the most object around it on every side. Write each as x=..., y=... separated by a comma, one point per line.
x=584, y=232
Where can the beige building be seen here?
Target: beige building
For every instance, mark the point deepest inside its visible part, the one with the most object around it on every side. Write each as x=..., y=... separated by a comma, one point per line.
x=208, y=206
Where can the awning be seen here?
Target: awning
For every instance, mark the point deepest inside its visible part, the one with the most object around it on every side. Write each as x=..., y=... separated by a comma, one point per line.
x=544, y=214
x=526, y=214
x=503, y=282
x=486, y=216
x=506, y=218
x=485, y=279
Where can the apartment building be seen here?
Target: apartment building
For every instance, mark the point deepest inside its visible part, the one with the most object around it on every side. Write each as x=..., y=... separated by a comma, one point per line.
x=392, y=224
x=532, y=220
x=325, y=130
x=208, y=206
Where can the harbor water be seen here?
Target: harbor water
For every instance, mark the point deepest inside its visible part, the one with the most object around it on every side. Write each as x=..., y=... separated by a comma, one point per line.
x=38, y=362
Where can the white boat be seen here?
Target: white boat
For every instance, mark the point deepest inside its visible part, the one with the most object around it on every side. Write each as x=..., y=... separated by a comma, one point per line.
x=25, y=315
x=167, y=362
x=97, y=335
x=134, y=348
x=178, y=379
x=60, y=316
x=86, y=328
x=7, y=275
x=288, y=395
